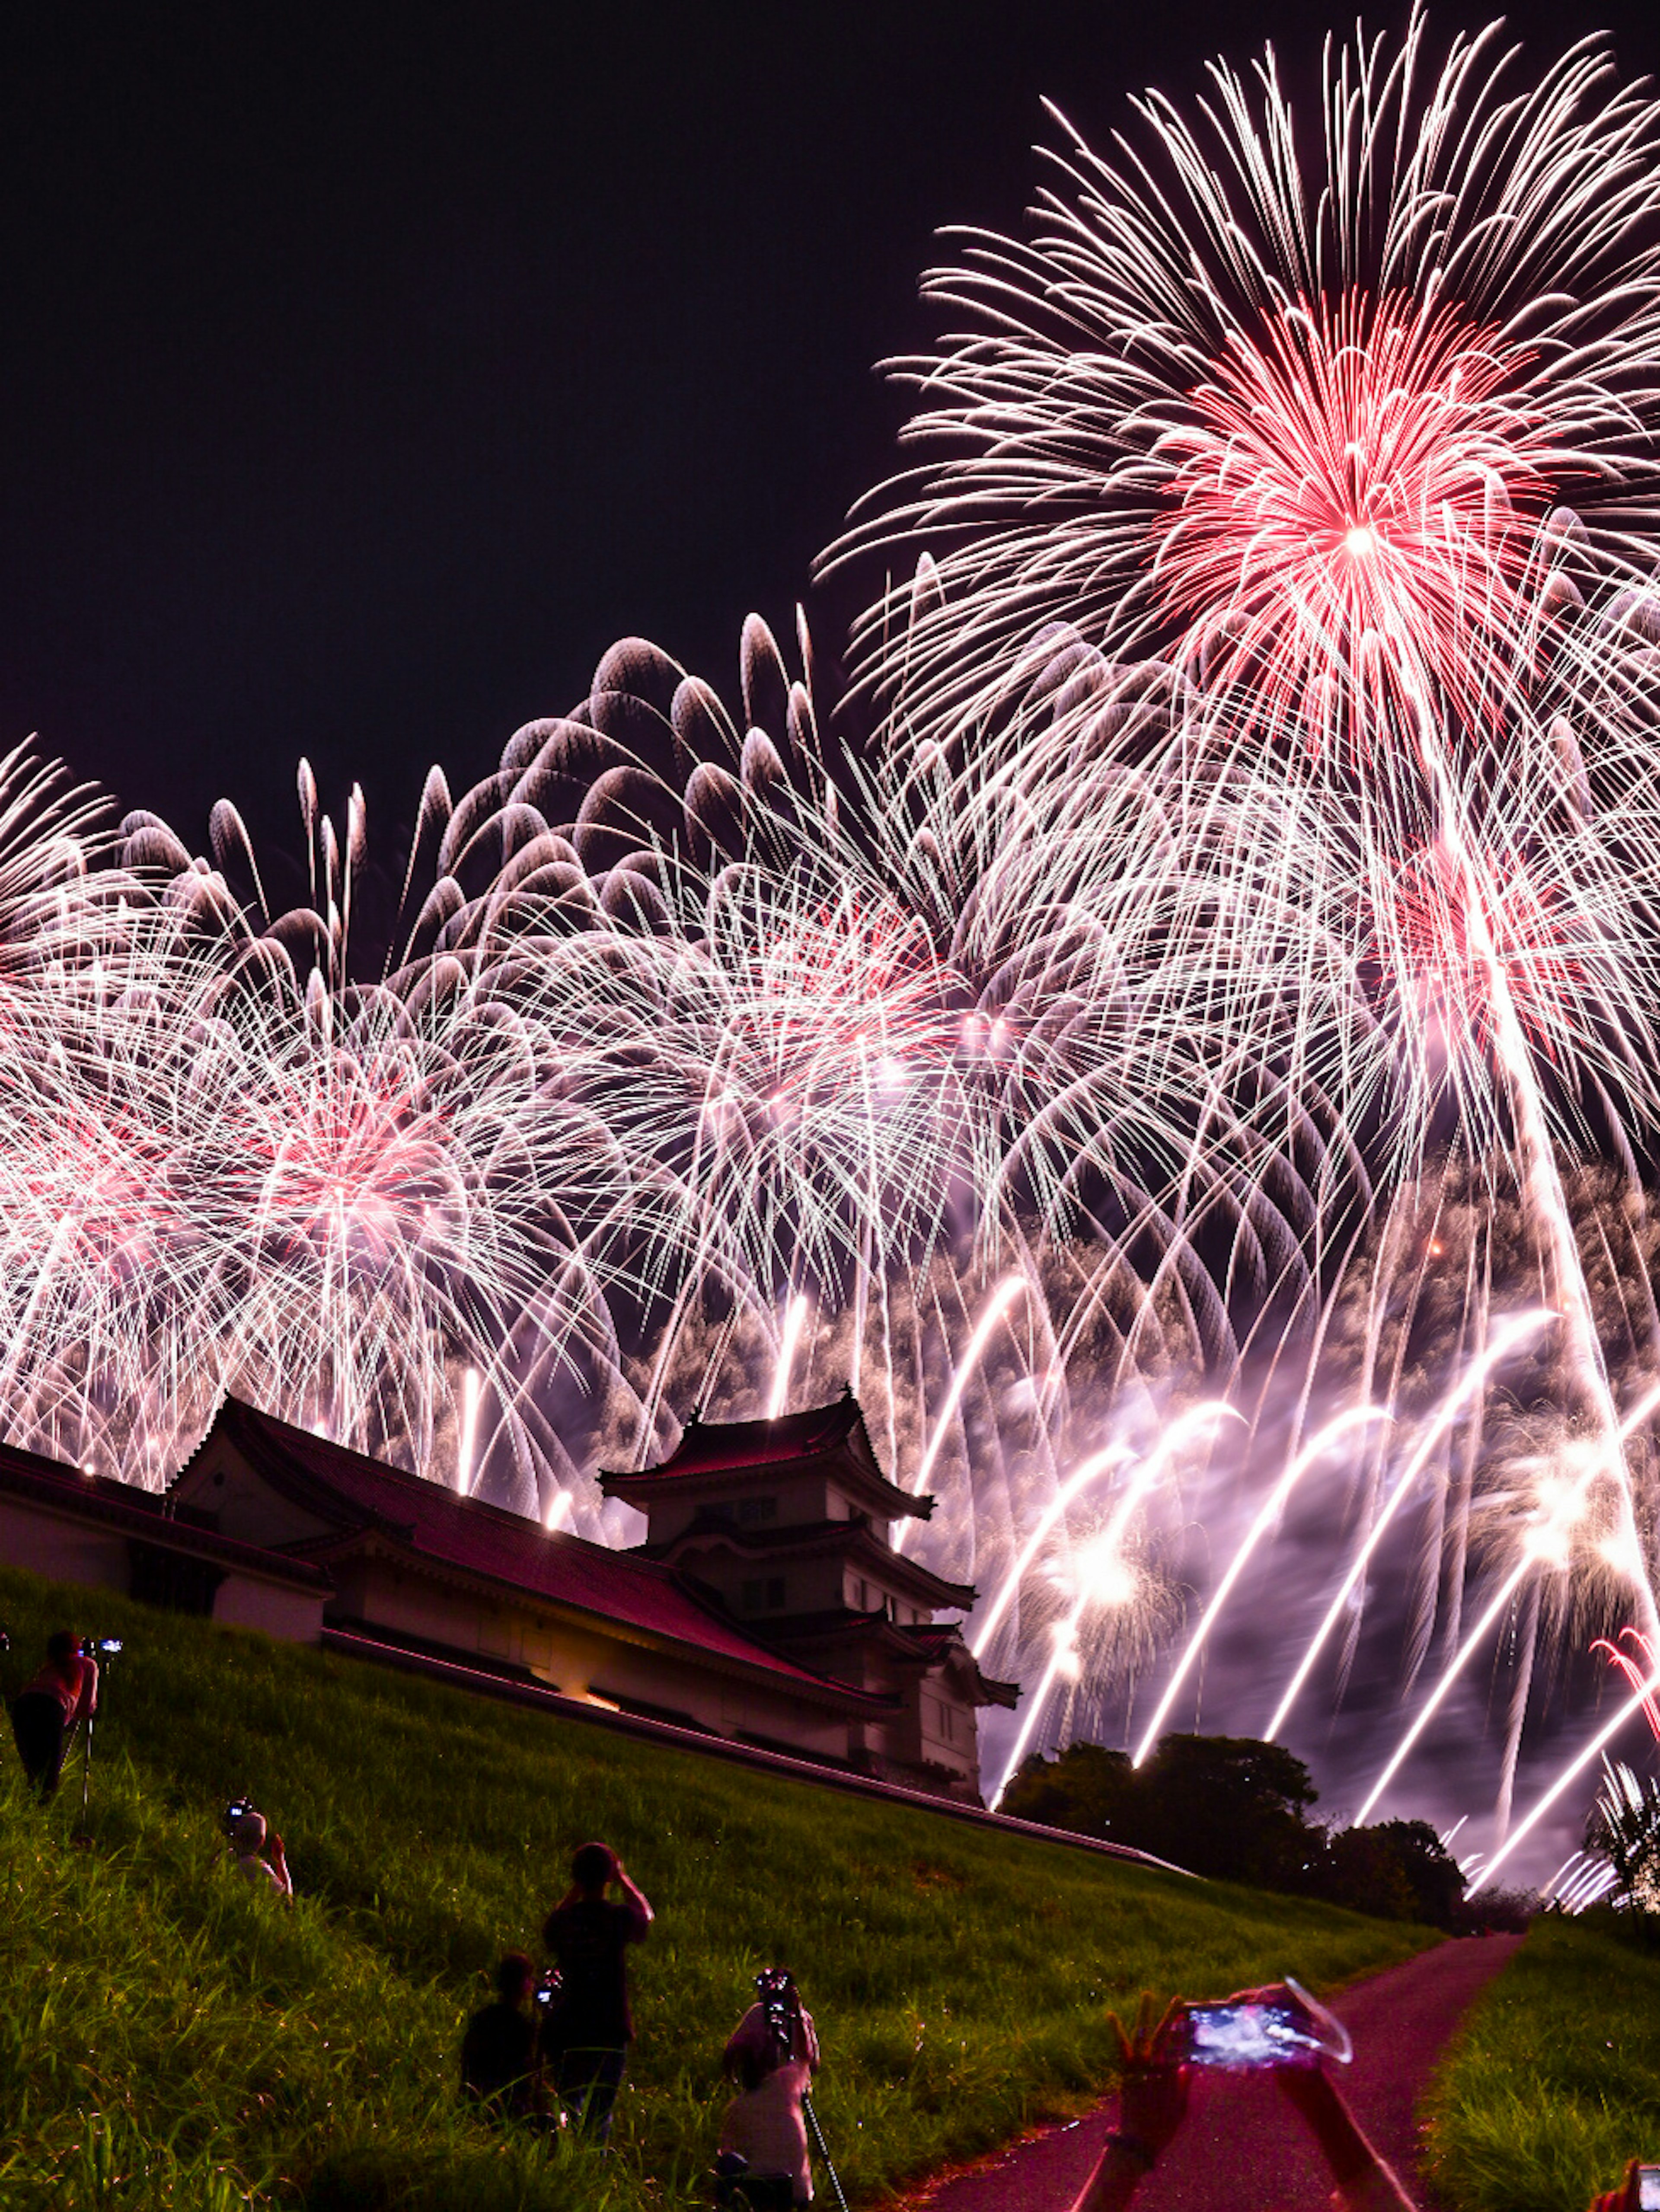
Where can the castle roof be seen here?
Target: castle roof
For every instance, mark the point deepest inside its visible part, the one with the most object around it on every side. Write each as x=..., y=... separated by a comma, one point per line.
x=851, y=1539
x=144, y=1516
x=362, y=1501
x=727, y=1455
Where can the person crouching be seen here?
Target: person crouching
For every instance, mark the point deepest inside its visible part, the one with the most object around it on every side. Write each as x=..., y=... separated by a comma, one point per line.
x=501, y=2072
x=762, y=2165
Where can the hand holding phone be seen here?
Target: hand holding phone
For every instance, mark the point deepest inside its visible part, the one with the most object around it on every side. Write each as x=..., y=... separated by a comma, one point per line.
x=1280, y=2025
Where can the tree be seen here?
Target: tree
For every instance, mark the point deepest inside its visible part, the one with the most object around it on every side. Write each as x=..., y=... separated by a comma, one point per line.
x=1398, y=1871
x=1230, y=1807
x=1087, y=1790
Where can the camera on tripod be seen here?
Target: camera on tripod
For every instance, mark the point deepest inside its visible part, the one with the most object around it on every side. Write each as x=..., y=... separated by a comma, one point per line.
x=780, y=2003
x=100, y=1647
x=234, y=1814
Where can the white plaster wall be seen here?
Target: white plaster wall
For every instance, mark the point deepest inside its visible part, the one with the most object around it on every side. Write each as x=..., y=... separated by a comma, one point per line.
x=247, y=1601
x=62, y=1550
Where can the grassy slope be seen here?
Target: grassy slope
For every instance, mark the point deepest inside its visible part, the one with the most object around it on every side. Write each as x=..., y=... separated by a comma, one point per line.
x=166, y=2037
x=1555, y=2081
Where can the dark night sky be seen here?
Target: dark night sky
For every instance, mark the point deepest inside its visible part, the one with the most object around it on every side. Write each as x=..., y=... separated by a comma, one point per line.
x=366, y=371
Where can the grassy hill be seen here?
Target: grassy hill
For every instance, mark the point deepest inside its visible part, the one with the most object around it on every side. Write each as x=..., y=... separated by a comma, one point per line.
x=1554, y=2081
x=169, y=2039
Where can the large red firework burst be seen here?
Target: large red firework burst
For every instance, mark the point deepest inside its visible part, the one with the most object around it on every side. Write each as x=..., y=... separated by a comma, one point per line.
x=1356, y=490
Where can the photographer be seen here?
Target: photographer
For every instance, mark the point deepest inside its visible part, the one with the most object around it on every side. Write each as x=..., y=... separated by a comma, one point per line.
x=44, y=1713
x=500, y=2070
x=587, y=2033
x=247, y=1843
x=763, y=2165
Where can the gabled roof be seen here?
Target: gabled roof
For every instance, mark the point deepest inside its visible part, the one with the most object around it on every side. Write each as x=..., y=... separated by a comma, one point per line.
x=141, y=1513
x=435, y=1527
x=729, y=1455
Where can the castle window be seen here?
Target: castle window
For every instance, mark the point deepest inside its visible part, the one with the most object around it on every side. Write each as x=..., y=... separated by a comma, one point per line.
x=764, y=1595
x=751, y=1510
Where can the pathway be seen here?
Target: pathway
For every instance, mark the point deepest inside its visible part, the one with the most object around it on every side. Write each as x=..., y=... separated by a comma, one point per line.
x=1239, y=2126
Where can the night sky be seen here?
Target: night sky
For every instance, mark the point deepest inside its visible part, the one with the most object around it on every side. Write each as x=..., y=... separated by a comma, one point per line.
x=366, y=371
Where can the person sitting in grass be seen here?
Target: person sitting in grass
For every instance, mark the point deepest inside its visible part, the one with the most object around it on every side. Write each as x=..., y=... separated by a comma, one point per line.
x=47, y=1708
x=762, y=2164
x=1153, y=2100
x=587, y=2034
x=248, y=1846
x=499, y=2070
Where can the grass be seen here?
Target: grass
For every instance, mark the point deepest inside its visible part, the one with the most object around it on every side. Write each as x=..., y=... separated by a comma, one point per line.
x=1554, y=2081
x=167, y=2038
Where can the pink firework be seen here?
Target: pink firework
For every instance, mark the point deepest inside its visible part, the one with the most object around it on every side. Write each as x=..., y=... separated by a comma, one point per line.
x=1455, y=939
x=1291, y=421
x=1358, y=490
x=1639, y=1675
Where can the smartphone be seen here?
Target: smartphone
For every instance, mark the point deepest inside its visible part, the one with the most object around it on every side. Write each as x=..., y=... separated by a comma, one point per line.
x=1648, y=2188
x=1252, y=2034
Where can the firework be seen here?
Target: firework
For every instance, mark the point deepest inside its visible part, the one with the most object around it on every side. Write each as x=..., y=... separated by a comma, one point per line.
x=1169, y=1052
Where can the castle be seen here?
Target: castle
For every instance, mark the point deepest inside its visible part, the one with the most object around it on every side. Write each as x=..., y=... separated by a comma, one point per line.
x=768, y=1605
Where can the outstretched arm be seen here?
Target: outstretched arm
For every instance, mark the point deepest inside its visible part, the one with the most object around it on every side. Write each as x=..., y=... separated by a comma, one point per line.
x=1153, y=2098
x=279, y=1867
x=1628, y=2197
x=1363, y=2178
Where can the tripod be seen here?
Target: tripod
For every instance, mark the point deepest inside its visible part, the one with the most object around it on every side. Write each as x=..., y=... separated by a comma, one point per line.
x=108, y=1650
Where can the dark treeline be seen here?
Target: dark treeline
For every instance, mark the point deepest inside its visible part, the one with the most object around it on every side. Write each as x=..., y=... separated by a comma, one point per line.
x=1237, y=1809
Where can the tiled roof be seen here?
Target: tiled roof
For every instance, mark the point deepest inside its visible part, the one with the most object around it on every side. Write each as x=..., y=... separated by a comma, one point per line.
x=720, y=1444
x=505, y=1547
x=921, y=1643
x=708, y=1531
x=140, y=1513
x=722, y=1448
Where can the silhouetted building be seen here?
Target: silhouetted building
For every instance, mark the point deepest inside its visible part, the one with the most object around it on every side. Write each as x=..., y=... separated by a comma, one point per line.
x=788, y=1523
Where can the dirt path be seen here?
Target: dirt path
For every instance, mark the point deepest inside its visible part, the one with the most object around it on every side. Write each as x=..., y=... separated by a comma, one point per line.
x=1241, y=2146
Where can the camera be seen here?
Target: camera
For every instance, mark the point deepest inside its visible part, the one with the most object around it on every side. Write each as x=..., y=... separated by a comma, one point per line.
x=549, y=1989
x=781, y=2001
x=1648, y=2188
x=234, y=1814
x=100, y=1647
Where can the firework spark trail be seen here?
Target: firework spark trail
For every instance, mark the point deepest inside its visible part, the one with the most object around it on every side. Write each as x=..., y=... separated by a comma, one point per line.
x=996, y=1306
x=1505, y=1340
x=1008, y=1589
x=1267, y=1517
x=1576, y=1766
x=1065, y=1657
x=1632, y=1672
x=794, y=1322
x=1541, y=1176
x=1542, y=1546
